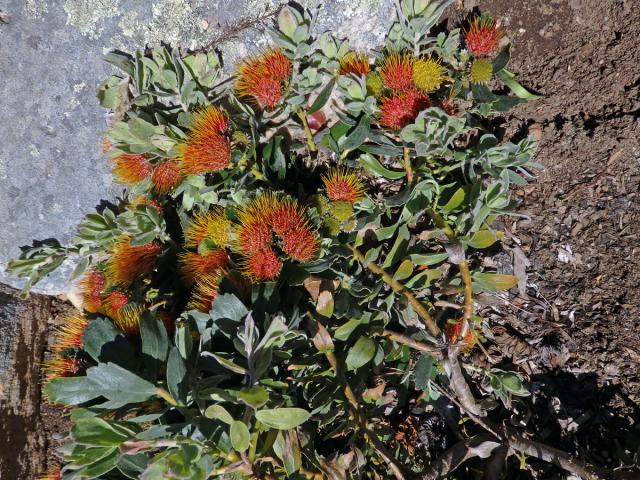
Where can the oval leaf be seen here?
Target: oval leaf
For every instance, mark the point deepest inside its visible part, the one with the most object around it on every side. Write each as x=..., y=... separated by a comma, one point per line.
x=283, y=418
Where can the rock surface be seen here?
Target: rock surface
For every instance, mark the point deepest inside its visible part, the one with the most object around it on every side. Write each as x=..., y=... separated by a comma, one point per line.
x=51, y=170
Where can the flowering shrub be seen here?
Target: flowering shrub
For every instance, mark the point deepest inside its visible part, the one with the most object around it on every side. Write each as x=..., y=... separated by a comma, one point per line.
x=293, y=264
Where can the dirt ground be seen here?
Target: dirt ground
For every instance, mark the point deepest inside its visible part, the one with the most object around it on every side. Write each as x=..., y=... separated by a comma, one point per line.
x=574, y=329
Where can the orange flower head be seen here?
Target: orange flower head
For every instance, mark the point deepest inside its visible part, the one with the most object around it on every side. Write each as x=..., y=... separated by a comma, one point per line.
x=209, y=121
x=262, y=78
x=343, y=185
x=204, y=154
x=128, y=319
x=62, y=367
x=106, y=145
x=204, y=293
x=396, y=71
x=69, y=334
x=212, y=225
x=91, y=287
x=114, y=302
x=269, y=223
x=129, y=262
x=401, y=109
x=450, y=106
x=166, y=176
x=130, y=169
x=54, y=473
x=483, y=36
x=194, y=266
x=354, y=63
x=452, y=332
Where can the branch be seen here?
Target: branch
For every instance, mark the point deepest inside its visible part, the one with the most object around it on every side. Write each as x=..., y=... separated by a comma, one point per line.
x=407, y=165
x=311, y=145
x=459, y=384
x=397, y=287
x=410, y=342
x=480, y=446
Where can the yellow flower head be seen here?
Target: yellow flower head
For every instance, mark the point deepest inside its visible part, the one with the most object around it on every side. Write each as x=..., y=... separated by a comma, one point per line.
x=427, y=74
x=481, y=71
x=212, y=225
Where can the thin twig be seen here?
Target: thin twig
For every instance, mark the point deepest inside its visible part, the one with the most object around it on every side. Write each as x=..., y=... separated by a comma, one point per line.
x=410, y=342
x=311, y=145
x=397, y=287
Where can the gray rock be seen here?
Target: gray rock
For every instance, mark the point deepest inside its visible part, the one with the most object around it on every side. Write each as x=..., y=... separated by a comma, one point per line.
x=51, y=170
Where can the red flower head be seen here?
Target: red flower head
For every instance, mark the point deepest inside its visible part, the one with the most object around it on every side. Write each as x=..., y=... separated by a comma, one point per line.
x=483, y=36
x=450, y=106
x=401, y=109
x=69, y=334
x=166, y=176
x=396, y=71
x=62, y=367
x=343, y=185
x=267, y=223
x=91, y=287
x=129, y=169
x=144, y=200
x=53, y=474
x=354, y=63
x=114, y=302
x=194, y=266
x=204, y=293
x=207, y=149
x=129, y=262
x=263, y=78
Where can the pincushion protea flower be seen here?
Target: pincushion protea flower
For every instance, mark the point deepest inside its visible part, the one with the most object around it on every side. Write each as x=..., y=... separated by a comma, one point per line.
x=396, y=71
x=166, y=176
x=483, y=36
x=114, y=301
x=129, y=262
x=452, y=332
x=69, y=333
x=204, y=293
x=354, y=63
x=399, y=110
x=194, y=266
x=343, y=185
x=428, y=74
x=144, y=200
x=53, y=474
x=128, y=319
x=91, y=287
x=267, y=223
x=481, y=71
x=263, y=77
x=130, y=169
x=212, y=225
x=62, y=367
x=207, y=148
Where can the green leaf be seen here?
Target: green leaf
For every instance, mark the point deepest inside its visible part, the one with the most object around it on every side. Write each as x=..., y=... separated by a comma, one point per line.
x=155, y=341
x=322, y=98
x=228, y=306
x=218, y=412
x=399, y=247
x=404, y=270
x=510, y=81
x=283, y=418
x=240, y=436
x=370, y=163
x=422, y=371
x=428, y=259
x=177, y=380
x=228, y=364
x=361, y=353
x=343, y=332
x=484, y=239
x=358, y=135
x=495, y=282
x=70, y=391
x=104, y=342
x=455, y=201
x=99, y=468
x=255, y=396
x=119, y=385
x=98, y=432
x=287, y=449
